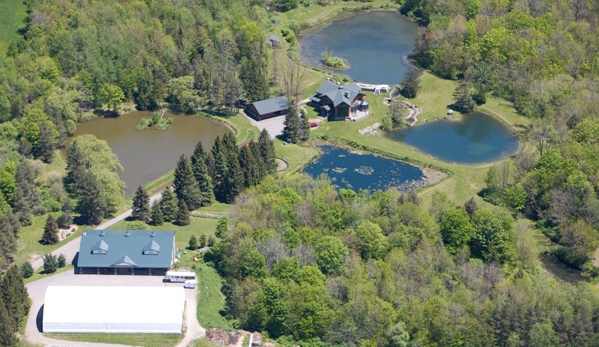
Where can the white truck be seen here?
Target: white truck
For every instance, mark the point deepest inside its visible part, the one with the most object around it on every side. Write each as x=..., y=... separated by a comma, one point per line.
x=191, y=284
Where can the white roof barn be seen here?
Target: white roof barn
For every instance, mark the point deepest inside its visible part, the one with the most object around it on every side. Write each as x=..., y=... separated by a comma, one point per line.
x=81, y=309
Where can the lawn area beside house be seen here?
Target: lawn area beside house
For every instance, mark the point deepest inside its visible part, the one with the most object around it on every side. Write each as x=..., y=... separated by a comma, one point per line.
x=12, y=19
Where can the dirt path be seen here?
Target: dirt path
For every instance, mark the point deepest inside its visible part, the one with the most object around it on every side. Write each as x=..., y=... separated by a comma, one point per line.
x=193, y=329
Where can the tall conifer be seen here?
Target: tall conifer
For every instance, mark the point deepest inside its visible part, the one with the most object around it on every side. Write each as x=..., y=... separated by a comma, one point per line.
x=204, y=180
x=292, y=130
x=185, y=184
x=50, y=236
x=169, y=205
x=7, y=329
x=76, y=168
x=182, y=214
x=141, y=205
x=14, y=294
x=234, y=180
x=157, y=218
x=260, y=164
x=267, y=151
x=248, y=164
x=91, y=204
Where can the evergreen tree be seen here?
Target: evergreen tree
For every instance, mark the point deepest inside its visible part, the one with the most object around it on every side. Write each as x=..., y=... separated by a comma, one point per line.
x=183, y=217
x=198, y=153
x=267, y=152
x=249, y=166
x=26, y=269
x=66, y=218
x=202, y=241
x=253, y=78
x=471, y=207
x=141, y=205
x=229, y=143
x=209, y=160
x=221, y=171
x=8, y=240
x=234, y=181
x=8, y=335
x=211, y=241
x=157, y=218
x=185, y=184
x=47, y=144
x=50, y=263
x=50, y=236
x=204, y=180
x=304, y=127
x=76, y=168
x=410, y=83
x=14, y=294
x=463, y=98
x=222, y=227
x=292, y=130
x=258, y=160
x=168, y=205
x=193, y=243
x=91, y=204
x=62, y=260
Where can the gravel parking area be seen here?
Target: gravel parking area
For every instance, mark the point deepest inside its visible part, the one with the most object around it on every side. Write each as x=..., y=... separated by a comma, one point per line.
x=274, y=126
x=37, y=292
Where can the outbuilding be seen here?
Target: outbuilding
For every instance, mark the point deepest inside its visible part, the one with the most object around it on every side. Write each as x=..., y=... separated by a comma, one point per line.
x=268, y=108
x=131, y=310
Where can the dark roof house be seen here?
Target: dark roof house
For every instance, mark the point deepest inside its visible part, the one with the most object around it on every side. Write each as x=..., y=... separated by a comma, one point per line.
x=338, y=102
x=274, y=40
x=126, y=251
x=268, y=108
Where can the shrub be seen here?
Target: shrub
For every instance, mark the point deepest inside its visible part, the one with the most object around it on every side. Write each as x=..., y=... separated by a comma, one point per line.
x=26, y=269
x=50, y=263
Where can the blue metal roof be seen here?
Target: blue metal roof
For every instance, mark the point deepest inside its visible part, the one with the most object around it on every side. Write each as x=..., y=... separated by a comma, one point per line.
x=126, y=248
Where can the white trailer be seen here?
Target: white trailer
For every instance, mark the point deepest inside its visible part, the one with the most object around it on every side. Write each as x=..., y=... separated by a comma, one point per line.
x=181, y=277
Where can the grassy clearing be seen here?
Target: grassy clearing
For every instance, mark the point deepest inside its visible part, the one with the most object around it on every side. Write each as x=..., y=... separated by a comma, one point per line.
x=295, y=156
x=146, y=340
x=217, y=207
x=12, y=19
x=244, y=130
x=211, y=300
x=197, y=227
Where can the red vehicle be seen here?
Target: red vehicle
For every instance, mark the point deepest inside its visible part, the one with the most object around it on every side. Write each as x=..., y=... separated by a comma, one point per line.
x=313, y=124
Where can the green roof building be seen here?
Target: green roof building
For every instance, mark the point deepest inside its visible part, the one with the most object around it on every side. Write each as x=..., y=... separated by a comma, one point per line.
x=135, y=252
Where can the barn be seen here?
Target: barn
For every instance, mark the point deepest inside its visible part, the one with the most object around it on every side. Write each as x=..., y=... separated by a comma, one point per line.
x=268, y=108
x=81, y=309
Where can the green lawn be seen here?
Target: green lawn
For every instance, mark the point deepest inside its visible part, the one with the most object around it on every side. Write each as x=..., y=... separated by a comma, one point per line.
x=217, y=207
x=146, y=340
x=211, y=300
x=13, y=14
x=296, y=157
x=197, y=227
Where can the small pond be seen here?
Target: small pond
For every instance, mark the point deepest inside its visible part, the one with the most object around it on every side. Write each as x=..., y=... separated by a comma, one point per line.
x=375, y=44
x=477, y=138
x=150, y=153
x=365, y=171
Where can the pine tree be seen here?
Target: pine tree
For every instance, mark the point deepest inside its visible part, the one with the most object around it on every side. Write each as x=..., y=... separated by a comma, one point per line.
x=91, y=204
x=204, y=180
x=141, y=205
x=198, y=153
x=61, y=260
x=50, y=263
x=267, y=151
x=259, y=161
x=234, y=180
x=202, y=241
x=209, y=160
x=8, y=335
x=76, y=168
x=47, y=144
x=169, y=205
x=304, y=127
x=463, y=98
x=211, y=241
x=66, y=218
x=50, y=236
x=410, y=83
x=221, y=171
x=222, y=227
x=185, y=184
x=253, y=78
x=193, y=243
x=183, y=217
x=292, y=130
x=248, y=164
x=157, y=218
x=14, y=294
x=229, y=143
x=26, y=269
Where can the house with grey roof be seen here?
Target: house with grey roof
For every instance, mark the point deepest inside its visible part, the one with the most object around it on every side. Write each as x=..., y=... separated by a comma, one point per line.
x=134, y=252
x=268, y=108
x=339, y=102
x=274, y=41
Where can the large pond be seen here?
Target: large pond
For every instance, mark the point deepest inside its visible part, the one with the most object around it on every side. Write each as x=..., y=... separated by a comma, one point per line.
x=150, y=153
x=375, y=44
x=476, y=138
x=365, y=171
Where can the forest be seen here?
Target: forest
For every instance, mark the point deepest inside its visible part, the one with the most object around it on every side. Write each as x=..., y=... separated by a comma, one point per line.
x=305, y=263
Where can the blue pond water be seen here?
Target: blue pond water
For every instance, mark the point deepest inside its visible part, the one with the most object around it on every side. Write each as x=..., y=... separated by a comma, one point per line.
x=364, y=171
x=477, y=138
x=375, y=44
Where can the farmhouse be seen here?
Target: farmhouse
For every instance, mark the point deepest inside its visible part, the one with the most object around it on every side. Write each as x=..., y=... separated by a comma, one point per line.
x=269, y=108
x=88, y=309
x=274, y=41
x=339, y=102
x=135, y=252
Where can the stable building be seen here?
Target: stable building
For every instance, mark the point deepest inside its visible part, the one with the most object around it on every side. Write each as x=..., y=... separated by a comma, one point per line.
x=130, y=252
x=339, y=102
x=130, y=310
x=268, y=108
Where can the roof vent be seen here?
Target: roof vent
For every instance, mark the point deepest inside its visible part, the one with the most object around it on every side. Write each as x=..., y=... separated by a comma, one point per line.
x=339, y=87
x=101, y=233
x=152, y=234
x=127, y=233
x=346, y=94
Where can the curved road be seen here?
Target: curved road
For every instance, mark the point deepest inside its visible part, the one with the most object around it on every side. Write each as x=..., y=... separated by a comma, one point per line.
x=70, y=249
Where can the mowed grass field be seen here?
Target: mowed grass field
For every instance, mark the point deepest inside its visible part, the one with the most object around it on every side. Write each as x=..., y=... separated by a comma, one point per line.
x=12, y=19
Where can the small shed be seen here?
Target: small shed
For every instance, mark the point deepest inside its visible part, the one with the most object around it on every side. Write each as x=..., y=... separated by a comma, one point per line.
x=274, y=40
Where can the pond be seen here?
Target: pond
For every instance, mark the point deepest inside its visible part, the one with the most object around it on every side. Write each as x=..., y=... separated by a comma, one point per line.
x=357, y=171
x=375, y=44
x=148, y=154
x=476, y=138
